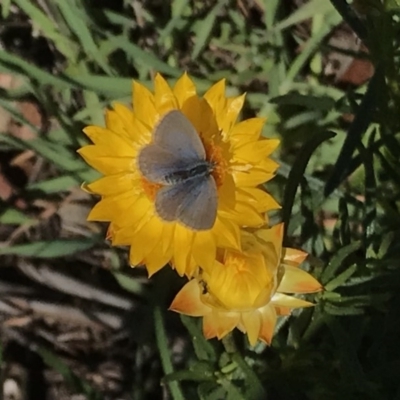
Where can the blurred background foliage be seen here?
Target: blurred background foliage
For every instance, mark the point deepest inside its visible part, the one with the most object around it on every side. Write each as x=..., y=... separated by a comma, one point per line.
x=76, y=321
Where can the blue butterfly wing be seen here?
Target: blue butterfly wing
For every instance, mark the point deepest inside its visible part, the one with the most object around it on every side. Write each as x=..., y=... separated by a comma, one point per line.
x=176, y=134
x=156, y=164
x=176, y=146
x=193, y=202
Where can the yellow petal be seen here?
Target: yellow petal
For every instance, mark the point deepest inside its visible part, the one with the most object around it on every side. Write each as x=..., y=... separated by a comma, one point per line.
x=201, y=116
x=105, y=209
x=227, y=194
x=226, y=233
x=283, y=310
x=111, y=143
x=257, y=175
x=218, y=324
x=268, y=322
x=215, y=97
x=204, y=249
x=293, y=257
x=248, y=130
x=255, y=152
x=259, y=199
x=188, y=302
x=183, y=239
x=113, y=184
x=252, y=324
x=146, y=240
x=156, y=260
x=120, y=120
x=105, y=164
x=230, y=114
x=164, y=98
x=184, y=88
x=283, y=300
x=143, y=105
x=296, y=280
x=131, y=213
x=246, y=215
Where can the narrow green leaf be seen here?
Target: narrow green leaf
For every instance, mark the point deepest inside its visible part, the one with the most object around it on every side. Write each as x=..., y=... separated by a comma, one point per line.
x=113, y=87
x=12, y=216
x=71, y=12
x=162, y=344
x=203, y=348
x=142, y=57
x=5, y=8
x=16, y=65
x=308, y=49
x=58, y=155
x=297, y=174
x=256, y=390
x=348, y=14
x=342, y=278
x=62, y=43
x=204, y=28
x=128, y=283
x=337, y=261
x=199, y=372
x=306, y=11
x=55, y=185
x=50, y=249
x=73, y=380
x=178, y=7
x=364, y=116
x=342, y=311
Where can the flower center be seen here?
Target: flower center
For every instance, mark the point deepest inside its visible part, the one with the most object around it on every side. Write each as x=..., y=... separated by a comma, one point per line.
x=214, y=154
x=150, y=188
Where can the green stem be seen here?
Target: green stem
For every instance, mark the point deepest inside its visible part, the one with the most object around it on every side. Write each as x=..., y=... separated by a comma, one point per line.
x=162, y=344
x=256, y=389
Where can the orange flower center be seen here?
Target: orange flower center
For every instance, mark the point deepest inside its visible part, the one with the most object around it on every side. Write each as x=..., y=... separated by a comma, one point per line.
x=150, y=188
x=215, y=155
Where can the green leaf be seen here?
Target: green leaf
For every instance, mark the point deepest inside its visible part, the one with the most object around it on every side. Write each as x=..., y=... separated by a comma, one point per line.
x=12, y=216
x=128, y=283
x=56, y=154
x=297, y=174
x=337, y=261
x=210, y=391
x=178, y=8
x=203, y=348
x=199, y=372
x=162, y=345
x=50, y=249
x=55, y=185
x=342, y=311
x=204, y=28
x=49, y=29
x=16, y=65
x=5, y=8
x=108, y=85
x=73, y=380
x=342, y=278
x=363, y=118
x=72, y=13
x=142, y=57
x=306, y=11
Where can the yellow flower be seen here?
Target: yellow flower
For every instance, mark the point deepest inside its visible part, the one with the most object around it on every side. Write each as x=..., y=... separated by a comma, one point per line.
x=247, y=289
x=235, y=149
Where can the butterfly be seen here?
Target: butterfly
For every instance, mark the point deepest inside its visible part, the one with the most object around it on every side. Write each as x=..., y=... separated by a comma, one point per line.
x=176, y=159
